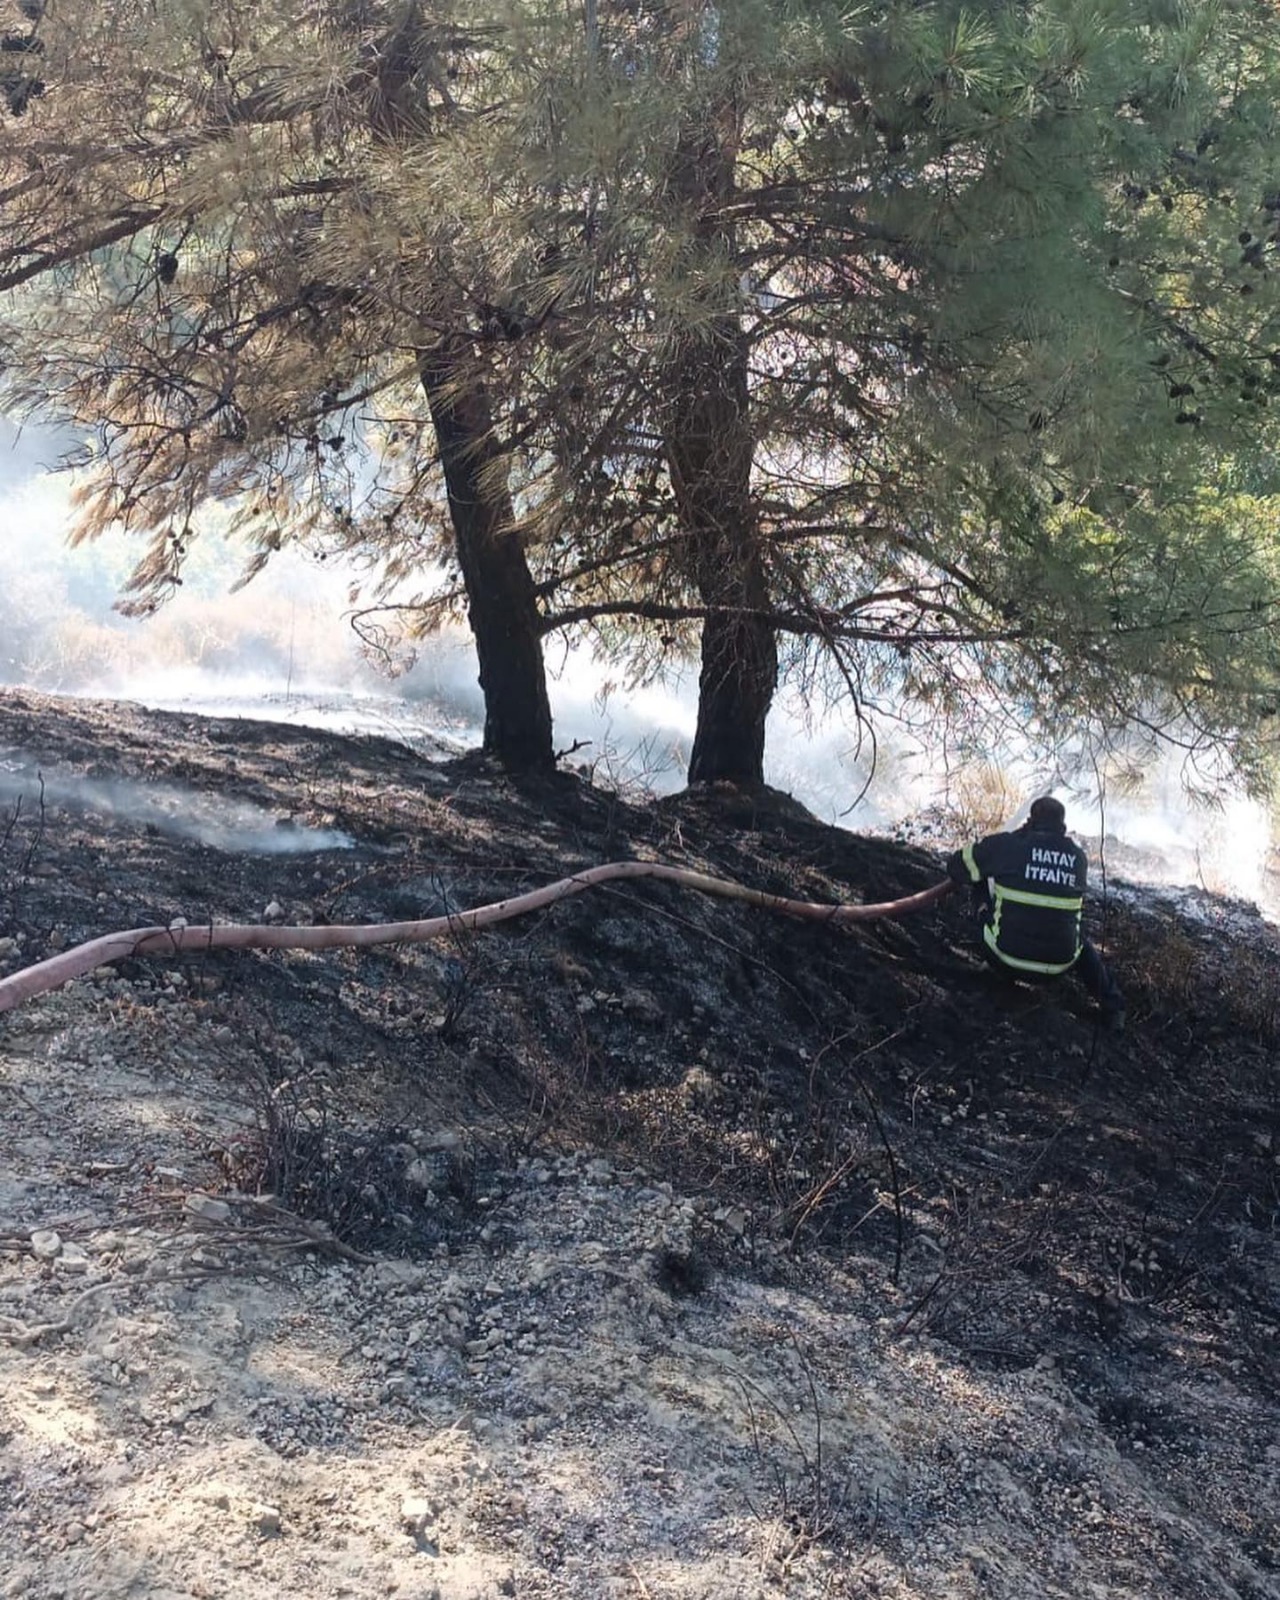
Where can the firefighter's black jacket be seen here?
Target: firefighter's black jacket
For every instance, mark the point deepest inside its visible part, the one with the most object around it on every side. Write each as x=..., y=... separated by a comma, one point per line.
x=1036, y=880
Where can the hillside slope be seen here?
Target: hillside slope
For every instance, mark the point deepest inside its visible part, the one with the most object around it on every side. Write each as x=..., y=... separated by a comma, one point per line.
x=651, y=1246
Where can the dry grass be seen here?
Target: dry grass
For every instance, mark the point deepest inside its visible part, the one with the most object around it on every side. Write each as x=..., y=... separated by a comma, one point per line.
x=981, y=800
x=1166, y=970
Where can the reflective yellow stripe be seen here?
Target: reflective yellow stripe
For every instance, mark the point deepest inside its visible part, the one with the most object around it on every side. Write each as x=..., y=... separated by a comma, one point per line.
x=1053, y=902
x=1053, y=969
x=966, y=855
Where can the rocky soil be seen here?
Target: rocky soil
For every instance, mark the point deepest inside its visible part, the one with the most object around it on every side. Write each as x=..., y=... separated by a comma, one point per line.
x=650, y=1247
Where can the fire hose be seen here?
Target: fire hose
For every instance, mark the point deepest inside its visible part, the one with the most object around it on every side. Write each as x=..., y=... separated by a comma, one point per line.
x=180, y=936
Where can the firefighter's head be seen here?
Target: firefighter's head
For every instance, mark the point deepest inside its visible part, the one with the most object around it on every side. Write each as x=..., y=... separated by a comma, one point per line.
x=1048, y=815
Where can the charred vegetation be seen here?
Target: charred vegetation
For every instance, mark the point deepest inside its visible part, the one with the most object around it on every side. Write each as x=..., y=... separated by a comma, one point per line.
x=869, y=1098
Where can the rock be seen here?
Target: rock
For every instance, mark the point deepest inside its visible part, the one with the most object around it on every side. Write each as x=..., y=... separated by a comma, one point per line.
x=734, y=1219
x=397, y=1274
x=430, y=1176
x=415, y=1513
x=217, y=1213
x=274, y=912
x=642, y=1007
x=46, y=1244
x=265, y=1520
x=73, y=1258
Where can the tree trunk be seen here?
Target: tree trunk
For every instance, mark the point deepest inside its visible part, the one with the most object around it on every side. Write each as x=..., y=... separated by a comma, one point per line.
x=709, y=450
x=501, y=603
x=735, y=690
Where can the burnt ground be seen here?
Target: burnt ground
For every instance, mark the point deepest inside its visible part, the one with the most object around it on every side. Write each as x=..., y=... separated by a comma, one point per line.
x=1006, y=1184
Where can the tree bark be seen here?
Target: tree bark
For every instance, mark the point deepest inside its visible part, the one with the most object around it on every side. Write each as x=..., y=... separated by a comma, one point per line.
x=709, y=451
x=502, y=605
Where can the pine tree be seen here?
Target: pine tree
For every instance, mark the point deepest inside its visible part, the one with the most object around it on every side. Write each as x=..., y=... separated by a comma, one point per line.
x=934, y=341
x=215, y=283
x=919, y=333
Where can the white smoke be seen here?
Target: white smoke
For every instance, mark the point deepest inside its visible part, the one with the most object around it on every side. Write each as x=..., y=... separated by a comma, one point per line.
x=282, y=650
x=233, y=826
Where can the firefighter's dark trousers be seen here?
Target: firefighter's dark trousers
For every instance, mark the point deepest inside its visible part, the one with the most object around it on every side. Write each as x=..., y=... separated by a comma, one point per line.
x=1089, y=966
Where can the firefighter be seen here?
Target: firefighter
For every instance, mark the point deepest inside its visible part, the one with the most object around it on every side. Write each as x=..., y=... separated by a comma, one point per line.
x=1028, y=888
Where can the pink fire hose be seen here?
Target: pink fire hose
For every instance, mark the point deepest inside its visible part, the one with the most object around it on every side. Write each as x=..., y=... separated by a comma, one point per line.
x=39, y=979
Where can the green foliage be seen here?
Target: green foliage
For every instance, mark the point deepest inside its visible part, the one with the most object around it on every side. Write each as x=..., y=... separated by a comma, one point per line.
x=1003, y=277
x=1006, y=277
